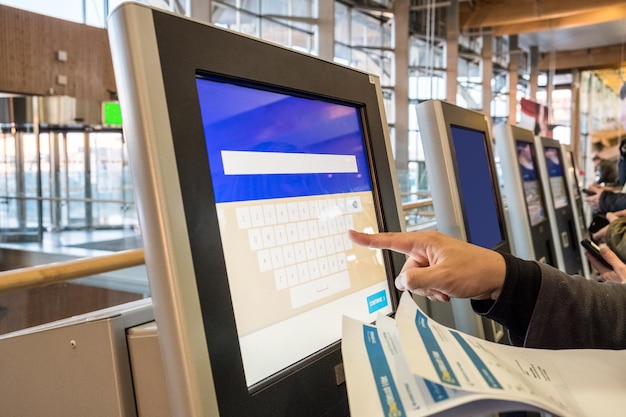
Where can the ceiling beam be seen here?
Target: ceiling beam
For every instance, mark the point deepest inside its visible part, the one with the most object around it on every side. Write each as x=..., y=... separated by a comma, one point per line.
x=612, y=56
x=489, y=13
x=605, y=14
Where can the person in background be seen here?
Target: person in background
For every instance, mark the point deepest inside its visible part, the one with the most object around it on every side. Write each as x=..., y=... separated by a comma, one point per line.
x=621, y=165
x=606, y=171
x=540, y=306
x=606, y=198
x=614, y=252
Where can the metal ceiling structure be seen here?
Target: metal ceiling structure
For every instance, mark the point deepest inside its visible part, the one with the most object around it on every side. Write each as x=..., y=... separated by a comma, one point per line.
x=572, y=34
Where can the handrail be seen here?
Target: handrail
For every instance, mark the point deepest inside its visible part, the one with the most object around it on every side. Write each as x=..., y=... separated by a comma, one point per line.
x=417, y=204
x=36, y=276
x=64, y=199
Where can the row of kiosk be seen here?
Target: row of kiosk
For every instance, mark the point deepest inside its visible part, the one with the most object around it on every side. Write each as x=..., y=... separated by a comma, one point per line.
x=522, y=197
x=245, y=157
x=543, y=199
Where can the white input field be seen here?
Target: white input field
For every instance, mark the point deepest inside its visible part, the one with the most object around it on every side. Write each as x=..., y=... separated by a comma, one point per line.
x=255, y=163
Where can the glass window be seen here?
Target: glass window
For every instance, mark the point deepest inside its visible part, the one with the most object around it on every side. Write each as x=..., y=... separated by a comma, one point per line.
x=263, y=19
x=69, y=9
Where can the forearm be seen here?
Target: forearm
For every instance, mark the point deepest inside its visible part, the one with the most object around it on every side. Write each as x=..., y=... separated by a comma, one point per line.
x=516, y=303
x=572, y=312
x=545, y=308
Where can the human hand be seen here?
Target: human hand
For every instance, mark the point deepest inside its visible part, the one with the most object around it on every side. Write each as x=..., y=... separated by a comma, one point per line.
x=615, y=215
x=600, y=235
x=594, y=200
x=596, y=187
x=441, y=267
x=617, y=274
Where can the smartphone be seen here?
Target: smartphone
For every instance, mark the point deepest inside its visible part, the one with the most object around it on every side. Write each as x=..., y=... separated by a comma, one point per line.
x=597, y=223
x=594, y=250
x=588, y=192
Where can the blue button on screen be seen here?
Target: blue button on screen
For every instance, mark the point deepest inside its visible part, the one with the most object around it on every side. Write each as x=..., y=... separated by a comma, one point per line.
x=377, y=301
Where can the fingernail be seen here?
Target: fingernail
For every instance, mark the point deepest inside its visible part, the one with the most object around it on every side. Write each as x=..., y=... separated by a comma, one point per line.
x=401, y=282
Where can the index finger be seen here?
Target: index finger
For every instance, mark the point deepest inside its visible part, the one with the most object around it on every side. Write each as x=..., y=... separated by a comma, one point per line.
x=399, y=242
x=415, y=244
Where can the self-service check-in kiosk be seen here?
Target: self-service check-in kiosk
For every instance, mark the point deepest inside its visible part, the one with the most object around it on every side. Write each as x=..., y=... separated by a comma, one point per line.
x=573, y=187
x=559, y=205
x=529, y=225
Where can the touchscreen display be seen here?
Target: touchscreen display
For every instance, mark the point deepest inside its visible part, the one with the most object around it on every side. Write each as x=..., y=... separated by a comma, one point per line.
x=290, y=176
x=530, y=182
x=557, y=181
x=476, y=187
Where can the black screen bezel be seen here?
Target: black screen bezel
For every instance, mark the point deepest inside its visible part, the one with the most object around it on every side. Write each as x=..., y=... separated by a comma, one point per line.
x=185, y=50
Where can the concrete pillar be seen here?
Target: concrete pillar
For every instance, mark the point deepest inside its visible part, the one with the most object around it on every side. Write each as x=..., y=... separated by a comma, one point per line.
x=326, y=29
x=487, y=72
x=401, y=92
x=452, y=50
x=534, y=72
x=513, y=77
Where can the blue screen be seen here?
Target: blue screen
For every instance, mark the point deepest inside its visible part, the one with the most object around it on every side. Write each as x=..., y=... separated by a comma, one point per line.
x=282, y=145
x=476, y=187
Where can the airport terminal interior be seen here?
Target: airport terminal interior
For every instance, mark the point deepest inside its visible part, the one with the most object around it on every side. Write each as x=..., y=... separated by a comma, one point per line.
x=85, y=213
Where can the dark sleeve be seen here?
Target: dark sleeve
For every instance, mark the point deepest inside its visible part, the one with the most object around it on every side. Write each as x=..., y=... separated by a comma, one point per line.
x=573, y=312
x=610, y=201
x=566, y=312
x=516, y=303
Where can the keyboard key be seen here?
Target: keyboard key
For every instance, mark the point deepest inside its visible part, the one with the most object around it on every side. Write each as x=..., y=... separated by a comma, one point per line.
x=292, y=232
x=332, y=225
x=311, y=251
x=243, y=217
x=292, y=211
x=341, y=205
x=255, y=239
x=318, y=289
x=280, y=235
x=314, y=209
x=269, y=214
x=341, y=224
x=292, y=276
x=256, y=213
x=280, y=279
x=289, y=256
x=347, y=243
x=277, y=257
x=313, y=230
x=320, y=247
x=303, y=272
x=324, y=268
x=333, y=264
x=353, y=204
x=322, y=226
x=268, y=237
x=323, y=208
x=300, y=250
x=341, y=261
x=338, y=242
x=303, y=231
x=314, y=269
x=281, y=213
x=265, y=260
x=349, y=220
x=303, y=209
x=329, y=241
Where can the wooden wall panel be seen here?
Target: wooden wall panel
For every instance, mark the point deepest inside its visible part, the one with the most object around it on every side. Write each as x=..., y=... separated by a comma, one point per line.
x=28, y=62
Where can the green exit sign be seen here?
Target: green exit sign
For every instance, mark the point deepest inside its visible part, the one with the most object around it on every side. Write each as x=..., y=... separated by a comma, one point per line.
x=111, y=113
